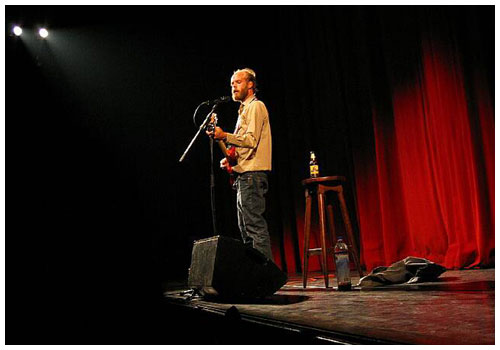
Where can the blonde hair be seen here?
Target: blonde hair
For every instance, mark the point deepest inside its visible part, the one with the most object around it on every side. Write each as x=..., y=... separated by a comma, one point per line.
x=251, y=76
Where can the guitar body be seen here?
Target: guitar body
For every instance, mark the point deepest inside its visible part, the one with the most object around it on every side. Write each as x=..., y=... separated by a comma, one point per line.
x=231, y=160
x=229, y=153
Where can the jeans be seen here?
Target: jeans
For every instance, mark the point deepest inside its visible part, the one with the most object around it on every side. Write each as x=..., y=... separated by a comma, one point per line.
x=251, y=204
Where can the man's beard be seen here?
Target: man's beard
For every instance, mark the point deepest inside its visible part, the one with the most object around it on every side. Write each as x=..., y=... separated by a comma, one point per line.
x=241, y=96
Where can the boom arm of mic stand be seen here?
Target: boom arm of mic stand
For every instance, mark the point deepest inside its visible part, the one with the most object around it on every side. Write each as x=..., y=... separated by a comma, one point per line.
x=202, y=126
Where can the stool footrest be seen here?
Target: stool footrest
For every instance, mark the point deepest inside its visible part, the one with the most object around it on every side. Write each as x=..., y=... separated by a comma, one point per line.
x=318, y=251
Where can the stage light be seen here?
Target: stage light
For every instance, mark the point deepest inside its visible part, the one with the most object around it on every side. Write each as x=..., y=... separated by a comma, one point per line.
x=17, y=30
x=43, y=33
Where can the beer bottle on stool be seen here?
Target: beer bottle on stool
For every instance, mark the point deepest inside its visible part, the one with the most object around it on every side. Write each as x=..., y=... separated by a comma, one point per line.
x=313, y=165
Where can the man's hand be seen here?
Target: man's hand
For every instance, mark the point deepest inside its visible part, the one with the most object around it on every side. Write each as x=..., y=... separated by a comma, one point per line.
x=223, y=163
x=217, y=134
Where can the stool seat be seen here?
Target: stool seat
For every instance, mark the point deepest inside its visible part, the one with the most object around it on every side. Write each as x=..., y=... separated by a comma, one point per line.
x=323, y=180
x=319, y=186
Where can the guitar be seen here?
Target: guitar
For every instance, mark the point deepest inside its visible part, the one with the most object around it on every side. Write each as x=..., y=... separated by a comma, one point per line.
x=229, y=153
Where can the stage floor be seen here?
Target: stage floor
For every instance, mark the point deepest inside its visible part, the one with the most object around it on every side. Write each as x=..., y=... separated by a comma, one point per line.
x=459, y=308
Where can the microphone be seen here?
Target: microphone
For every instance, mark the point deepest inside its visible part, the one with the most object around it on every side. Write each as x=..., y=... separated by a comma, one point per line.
x=222, y=99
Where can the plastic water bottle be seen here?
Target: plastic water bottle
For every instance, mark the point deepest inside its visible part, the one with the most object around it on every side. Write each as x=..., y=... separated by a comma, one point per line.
x=341, y=253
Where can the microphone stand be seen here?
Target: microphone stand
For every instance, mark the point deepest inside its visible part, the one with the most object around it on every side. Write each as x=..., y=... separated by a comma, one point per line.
x=212, y=177
x=202, y=127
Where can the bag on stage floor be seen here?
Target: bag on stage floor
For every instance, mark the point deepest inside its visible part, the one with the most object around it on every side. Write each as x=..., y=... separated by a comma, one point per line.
x=408, y=270
x=225, y=267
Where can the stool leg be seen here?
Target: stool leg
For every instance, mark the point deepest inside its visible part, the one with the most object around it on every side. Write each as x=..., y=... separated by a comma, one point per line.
x=321, y=204
x=331, y=224
x=307, y=230
x=348, y=226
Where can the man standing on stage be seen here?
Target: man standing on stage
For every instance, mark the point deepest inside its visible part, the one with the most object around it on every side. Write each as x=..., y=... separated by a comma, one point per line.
x=252, y=139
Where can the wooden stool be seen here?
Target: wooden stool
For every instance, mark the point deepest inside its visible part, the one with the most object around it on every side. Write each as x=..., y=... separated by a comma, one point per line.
x=320, y=186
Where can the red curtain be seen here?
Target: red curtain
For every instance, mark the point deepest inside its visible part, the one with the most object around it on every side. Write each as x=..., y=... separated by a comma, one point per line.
x=428, y=190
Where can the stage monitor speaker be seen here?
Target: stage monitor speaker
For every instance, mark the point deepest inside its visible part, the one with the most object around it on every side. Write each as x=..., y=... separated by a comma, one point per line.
x=225, y=267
